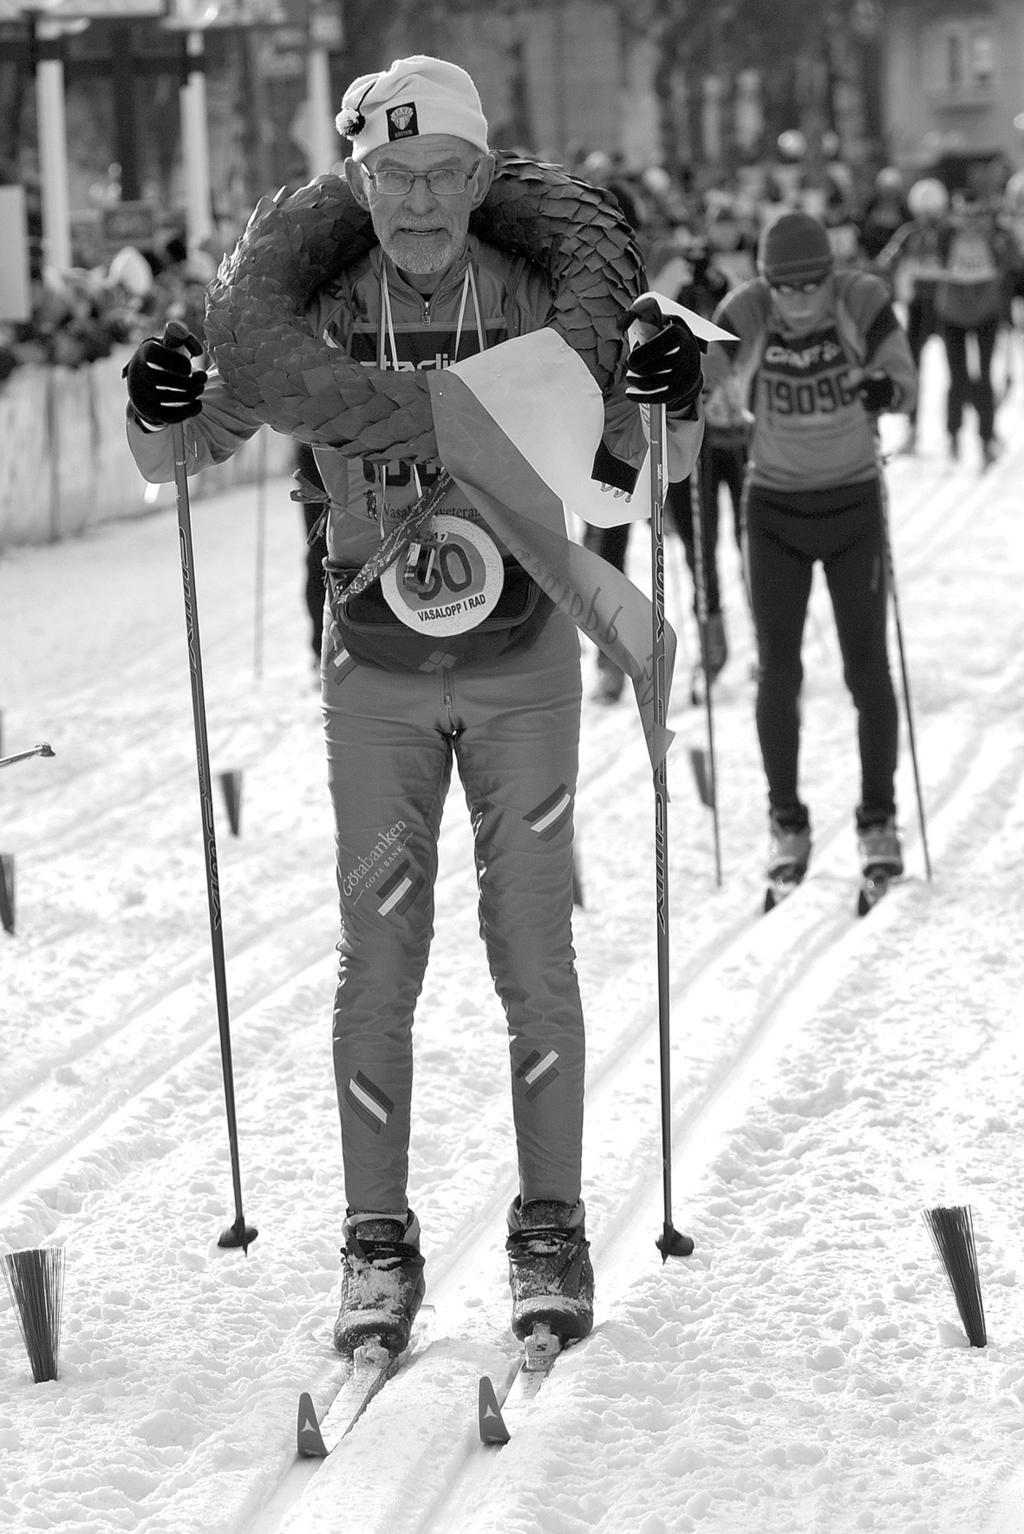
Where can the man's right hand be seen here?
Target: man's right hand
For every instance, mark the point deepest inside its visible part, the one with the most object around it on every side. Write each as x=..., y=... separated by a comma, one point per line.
x=162, y=386
x=663, y=369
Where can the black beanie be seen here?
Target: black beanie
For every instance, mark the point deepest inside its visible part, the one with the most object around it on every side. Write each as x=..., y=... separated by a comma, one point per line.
x=794, y=248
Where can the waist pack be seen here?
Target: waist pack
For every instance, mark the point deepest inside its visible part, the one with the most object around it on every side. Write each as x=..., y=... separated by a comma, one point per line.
x=372, y=634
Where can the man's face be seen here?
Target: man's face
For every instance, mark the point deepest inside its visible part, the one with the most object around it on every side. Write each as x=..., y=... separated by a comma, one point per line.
x=802, y=307
x=422, y=229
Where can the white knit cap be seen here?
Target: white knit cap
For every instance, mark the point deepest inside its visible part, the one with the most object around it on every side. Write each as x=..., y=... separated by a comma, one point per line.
x=415, y=96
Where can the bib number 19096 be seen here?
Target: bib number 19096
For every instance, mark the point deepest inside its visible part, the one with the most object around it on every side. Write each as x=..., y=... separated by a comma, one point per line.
x=809, y=396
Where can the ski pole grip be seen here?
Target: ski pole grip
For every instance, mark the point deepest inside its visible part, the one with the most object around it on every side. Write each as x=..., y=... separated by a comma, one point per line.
x=642, y=320
x=647, y=310
x=181, y=338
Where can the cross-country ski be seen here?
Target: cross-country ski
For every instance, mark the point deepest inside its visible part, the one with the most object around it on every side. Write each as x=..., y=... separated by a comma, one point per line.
x=498, y=1417
x=372, y=1367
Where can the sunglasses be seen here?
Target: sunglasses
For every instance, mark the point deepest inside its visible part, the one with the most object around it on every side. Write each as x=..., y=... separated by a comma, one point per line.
x=790, y=289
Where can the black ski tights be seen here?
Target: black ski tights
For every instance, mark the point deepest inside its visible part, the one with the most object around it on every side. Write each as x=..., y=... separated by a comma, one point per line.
x=787, y=532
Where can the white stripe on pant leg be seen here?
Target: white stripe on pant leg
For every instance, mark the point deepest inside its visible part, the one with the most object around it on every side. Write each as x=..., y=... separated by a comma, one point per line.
x=395, y=897
x=541, y=1066
x=546, y=820
x=367, y=1101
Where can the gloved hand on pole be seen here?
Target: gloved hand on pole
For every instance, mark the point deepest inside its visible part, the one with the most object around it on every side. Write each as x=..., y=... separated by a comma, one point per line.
x=663, y=367
x=877, y=392
x=163, y=387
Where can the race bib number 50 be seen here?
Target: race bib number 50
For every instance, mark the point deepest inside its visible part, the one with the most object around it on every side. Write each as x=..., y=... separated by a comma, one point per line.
x=459, y=585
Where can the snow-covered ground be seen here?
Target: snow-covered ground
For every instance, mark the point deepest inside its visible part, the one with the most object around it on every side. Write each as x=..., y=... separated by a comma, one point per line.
x=804, y=1370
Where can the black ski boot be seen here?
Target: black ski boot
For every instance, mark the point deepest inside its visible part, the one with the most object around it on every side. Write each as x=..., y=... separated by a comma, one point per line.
x=549, y=1269
x=382, y=1284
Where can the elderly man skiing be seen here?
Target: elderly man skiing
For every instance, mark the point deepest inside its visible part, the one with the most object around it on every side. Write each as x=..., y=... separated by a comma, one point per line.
x=496, y=693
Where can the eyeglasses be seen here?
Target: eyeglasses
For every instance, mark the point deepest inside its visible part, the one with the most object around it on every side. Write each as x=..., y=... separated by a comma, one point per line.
x=790, y=289
x=446, y=182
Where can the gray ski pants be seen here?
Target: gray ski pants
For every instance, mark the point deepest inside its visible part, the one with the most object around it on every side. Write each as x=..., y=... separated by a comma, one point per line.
x=512, y=726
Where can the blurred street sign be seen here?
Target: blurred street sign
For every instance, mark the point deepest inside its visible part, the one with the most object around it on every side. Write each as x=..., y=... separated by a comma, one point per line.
x=90, y=10
x=282, y=54
x=128, y=223
x=87, y=244
x=196, y=15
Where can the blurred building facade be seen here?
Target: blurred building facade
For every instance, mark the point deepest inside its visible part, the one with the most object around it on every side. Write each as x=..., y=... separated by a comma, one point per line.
x=650, y=82
x=954, y=86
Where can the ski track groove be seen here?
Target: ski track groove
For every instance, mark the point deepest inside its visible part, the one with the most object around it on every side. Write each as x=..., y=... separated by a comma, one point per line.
x=142, y=1022
x=143, y=1025
x=814, y=947
x=802, y=936
x=118, y=800
x=818, y=952
x=465, y=1472
x=801, y=953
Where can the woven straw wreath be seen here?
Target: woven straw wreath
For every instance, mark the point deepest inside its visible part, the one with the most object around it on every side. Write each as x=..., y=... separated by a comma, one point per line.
x=259, y=337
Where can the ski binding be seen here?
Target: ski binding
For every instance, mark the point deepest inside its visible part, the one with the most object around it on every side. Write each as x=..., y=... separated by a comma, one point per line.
x=540, y=1349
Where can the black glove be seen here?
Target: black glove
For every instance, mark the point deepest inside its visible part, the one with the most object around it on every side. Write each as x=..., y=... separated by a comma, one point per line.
x=666, y=369
x=162, y=386
x=877, y=392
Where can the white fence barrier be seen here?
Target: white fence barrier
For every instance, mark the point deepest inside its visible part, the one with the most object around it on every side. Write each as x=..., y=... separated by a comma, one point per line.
x=64, y=459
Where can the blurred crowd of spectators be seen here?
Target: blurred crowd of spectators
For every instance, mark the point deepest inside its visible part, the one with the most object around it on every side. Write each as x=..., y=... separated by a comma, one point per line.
x=82, y=314
x=673, y=221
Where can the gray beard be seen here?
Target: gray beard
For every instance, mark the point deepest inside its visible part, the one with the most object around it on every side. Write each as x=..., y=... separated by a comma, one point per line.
x=412, y=254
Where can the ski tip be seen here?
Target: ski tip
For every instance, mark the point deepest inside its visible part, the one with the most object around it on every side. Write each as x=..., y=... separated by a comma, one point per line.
x=780, y=887
x=309, y=1439
x=871, y=892
x=492, y=1424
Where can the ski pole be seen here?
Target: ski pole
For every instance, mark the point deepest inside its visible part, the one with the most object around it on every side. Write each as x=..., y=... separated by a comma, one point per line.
x=671, y=1242
x=701, y=589
x=261, y=546
x=240, y=1233
x=22, y=756
x=883, y=497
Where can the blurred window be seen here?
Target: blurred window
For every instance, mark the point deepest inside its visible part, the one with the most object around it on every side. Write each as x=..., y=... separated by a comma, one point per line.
x=960, y=60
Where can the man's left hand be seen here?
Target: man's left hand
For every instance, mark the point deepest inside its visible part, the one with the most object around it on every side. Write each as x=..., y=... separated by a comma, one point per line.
x=665, y=368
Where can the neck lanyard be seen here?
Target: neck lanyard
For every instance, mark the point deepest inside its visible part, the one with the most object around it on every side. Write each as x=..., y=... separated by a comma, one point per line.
x=387, y=342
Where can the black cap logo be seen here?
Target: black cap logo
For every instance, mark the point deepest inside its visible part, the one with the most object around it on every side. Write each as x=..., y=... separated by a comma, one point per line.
x=402, y=121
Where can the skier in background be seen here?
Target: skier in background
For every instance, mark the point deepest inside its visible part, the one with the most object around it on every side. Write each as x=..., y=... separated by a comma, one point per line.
x=884, y=212
x=722, y=461
x=820, y=353
x=972, y=300
x=912, y=263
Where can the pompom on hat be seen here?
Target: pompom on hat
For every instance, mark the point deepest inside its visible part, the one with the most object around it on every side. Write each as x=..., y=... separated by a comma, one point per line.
x=794, y=248
x=414, y=96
